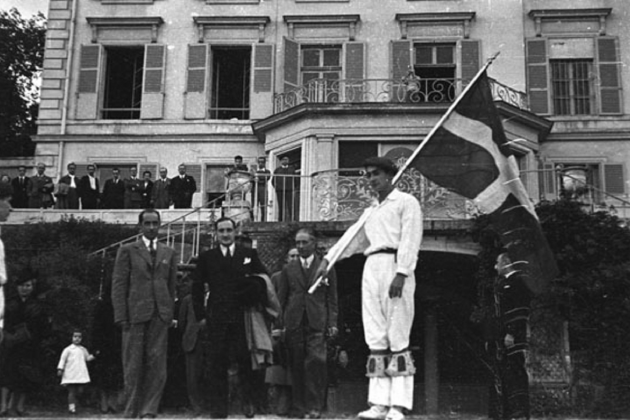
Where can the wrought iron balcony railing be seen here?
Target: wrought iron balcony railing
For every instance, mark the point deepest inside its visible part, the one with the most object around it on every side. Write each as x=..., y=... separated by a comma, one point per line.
x=422, y=91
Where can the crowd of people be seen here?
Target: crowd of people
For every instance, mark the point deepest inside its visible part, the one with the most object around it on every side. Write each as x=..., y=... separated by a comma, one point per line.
x=73, y=192
x=244, y=332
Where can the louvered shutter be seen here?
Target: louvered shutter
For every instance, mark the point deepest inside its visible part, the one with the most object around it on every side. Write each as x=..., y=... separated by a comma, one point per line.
x=354, y=68
x=547, y=180
x=194, y=170
x=400, y=54
x=538, y=76
x=470, y=51
x=613, y=179
x=152, y=106
x=89, y=82
x=261, y=103
x=151, y=167
x=291, y=65
x=610, y=97
x=196, y=96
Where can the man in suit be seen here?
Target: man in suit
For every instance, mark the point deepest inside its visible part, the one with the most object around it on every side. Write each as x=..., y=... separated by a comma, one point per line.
x=308, y=320
x=147, y=189
x=160, y=195
x=41, y=188
x=262, y=195
x=133, y=190
x=20, y=185
x=182, y=189
x=225, y=271
x=286, y=181
x=114, y=192
x=143, y=296
x=89, y=190
x=68, y=197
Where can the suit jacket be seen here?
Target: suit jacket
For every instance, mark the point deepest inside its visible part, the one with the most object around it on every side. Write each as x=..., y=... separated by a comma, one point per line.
x=40, y=192
x=113, y=194
x=160, y=195
x=147, y=190
x=286, y=183
x=182, y=191
x=139, y=286
x=89, y=197
x=224, y=277
x=133, y=193
x=319, y=308
x=20, y=192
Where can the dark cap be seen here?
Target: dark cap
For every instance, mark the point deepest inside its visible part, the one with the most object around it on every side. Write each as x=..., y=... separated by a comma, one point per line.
x=385, y=164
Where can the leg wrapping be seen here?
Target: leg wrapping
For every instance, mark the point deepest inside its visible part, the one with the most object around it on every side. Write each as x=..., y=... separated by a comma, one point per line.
x=401, y=364
x=376, y=364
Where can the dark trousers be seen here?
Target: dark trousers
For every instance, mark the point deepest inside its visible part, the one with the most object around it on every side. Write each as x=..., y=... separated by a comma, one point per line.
x=288, y=206
x=194, y=375
x=144, y=348
x=227, y=345
x=307, y=362
x=509, y=394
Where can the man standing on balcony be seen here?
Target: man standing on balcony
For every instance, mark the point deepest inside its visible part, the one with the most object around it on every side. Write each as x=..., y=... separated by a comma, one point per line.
x=133, y=190
x=286, y=181
x=143, y=297
x=89, y=189
x=114, y=192
x=182, y=189
x=160, y=196
x=262, y=178
x=390, y=238
x=21, y=185
x=68, y=197
x=41, y=188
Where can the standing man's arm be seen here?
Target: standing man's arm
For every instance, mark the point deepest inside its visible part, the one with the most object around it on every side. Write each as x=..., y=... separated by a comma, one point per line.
x=120, y=286
x=332, y=304
x=198, y=292
x=172, y=278
x=409, y=246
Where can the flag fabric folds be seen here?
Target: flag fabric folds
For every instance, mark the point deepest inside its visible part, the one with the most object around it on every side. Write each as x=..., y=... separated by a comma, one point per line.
x=469, y=155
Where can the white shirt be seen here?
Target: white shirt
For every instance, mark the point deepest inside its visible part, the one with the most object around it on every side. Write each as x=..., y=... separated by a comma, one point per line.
x=395, y=223
x=148, y=242
x=224, y=249
x=73, y=184
x=92, y=182
x=306, y=262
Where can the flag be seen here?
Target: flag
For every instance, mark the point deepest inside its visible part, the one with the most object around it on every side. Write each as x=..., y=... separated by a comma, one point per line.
x=468, y=154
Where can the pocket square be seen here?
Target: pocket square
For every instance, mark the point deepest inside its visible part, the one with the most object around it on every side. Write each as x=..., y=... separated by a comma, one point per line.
x=247, y=261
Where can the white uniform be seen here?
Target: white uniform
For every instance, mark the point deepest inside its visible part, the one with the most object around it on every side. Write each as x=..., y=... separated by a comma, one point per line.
x=391, y=238
x=73, y=362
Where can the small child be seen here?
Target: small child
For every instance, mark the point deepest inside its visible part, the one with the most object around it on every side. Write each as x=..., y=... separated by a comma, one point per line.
x=73, y=369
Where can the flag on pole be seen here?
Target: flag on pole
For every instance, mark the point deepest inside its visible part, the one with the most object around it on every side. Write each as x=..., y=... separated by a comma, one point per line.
x=468, y=153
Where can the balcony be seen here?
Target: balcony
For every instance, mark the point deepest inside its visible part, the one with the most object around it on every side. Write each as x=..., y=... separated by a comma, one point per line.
x=423, y=91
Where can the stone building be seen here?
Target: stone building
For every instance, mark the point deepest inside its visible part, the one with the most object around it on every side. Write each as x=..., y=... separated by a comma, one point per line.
x=156, y=83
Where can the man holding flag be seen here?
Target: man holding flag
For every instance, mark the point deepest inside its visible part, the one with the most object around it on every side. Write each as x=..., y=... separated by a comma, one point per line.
x=389, y=234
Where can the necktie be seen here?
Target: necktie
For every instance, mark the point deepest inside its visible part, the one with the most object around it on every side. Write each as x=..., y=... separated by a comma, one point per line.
x=152, y=250
x=305, y=263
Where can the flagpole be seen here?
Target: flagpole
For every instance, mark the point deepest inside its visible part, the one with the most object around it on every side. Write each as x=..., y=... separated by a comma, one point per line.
x=448, y=112
x=359, y=224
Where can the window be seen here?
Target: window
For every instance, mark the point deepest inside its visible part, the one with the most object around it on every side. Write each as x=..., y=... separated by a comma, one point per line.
x=435, y=65
x=586, y=181
x=572, y=86
x=122, y=96
x=230, y=83
x=321, y=71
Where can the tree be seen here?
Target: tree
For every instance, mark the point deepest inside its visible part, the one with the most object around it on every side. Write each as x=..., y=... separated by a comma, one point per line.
x=21, y=58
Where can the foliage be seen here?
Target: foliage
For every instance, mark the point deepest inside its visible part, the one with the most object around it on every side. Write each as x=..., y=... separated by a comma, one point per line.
x=21, y=58
x=68, y=281
x=592, y=293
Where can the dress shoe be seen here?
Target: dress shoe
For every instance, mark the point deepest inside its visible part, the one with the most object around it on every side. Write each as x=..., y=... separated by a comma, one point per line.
x=313, y=414
x=395, y=414
x=376, y=412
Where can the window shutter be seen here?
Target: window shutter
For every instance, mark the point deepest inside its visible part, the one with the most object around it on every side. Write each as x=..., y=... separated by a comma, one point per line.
x=152, y=167
x=613, y=179
x=262, y=83
x=354, y=68
x=291, y=65
x=470, y=51
x=89, y=82
x=196, y=95
x=547, y=181
x=537, y=76
x=194, y=170
x=609, y=76
x=400, y=53
x=153, y=82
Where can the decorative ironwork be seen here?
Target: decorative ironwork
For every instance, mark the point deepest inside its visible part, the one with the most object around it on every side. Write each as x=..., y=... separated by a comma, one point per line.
x=336, y=196
x=417, y=91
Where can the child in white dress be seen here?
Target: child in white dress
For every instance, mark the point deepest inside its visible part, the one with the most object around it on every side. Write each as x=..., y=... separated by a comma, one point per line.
x=73, y=369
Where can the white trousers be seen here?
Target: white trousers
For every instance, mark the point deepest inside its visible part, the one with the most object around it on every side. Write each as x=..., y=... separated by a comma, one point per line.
x=387, y=325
